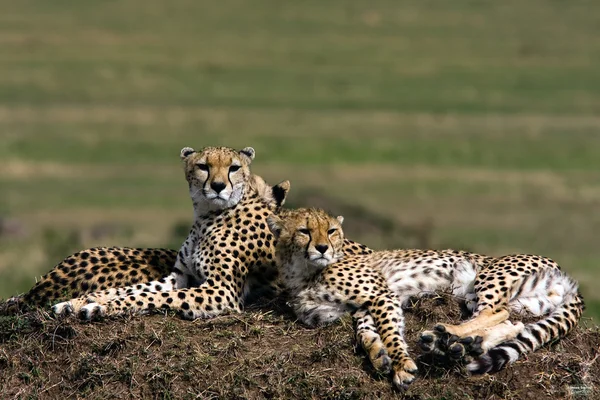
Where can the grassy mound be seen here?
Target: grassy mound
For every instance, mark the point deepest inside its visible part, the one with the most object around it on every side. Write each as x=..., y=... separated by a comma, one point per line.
x=261, y=353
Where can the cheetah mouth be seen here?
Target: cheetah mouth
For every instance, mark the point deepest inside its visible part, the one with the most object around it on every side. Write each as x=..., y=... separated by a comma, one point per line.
x=320, y=261
x=216, y=197
x=208, y=195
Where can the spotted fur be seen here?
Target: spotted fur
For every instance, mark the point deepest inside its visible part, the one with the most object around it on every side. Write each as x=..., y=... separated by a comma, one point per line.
x=324, y=284
x=105, y=268
x=228, y=253
x=98, y=268
x=218, y=184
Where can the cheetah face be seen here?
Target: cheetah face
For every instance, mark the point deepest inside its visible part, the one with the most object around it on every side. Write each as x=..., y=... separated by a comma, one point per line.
x=217, y=176
x=309, y=235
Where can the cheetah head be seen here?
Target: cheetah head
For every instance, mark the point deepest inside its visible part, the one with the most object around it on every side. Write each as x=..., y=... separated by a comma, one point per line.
x=217, y=176
x=308, y=237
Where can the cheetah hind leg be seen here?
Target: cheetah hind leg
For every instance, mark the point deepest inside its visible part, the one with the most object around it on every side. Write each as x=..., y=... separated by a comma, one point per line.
x=487, y=318
x=444, y=345
x=441, y=343
x=438, y=340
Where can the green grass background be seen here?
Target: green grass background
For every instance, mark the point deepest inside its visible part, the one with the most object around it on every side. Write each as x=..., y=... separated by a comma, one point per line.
x=482, y=118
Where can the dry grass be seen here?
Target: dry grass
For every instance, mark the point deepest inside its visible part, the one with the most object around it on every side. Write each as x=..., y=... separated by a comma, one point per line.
x=261, y=353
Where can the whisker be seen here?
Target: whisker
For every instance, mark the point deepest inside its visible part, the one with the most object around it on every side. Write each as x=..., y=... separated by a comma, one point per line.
x=196, y=192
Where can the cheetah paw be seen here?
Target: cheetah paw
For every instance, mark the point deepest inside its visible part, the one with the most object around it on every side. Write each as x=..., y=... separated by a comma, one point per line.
x=440, y=342
x=64, y=308
x=11, y=305
x=91, y=311
x=428, y=342
x=382, y=362
x=404, y=374
x=469, y=347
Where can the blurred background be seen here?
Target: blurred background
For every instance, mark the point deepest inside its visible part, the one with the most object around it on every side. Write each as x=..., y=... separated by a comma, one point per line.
x=464, y=124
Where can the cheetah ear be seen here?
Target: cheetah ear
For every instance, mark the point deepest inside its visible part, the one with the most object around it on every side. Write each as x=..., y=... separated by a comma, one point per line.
x=340, y=219
x=185, y=152
x=280, y=192
x=275, y=225
x=248, y=152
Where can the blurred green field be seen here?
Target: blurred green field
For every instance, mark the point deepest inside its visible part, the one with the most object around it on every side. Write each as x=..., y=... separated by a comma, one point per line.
x=480, y=118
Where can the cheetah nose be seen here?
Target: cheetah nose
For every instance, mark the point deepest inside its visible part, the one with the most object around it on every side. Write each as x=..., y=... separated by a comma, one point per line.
x=321, y=248
x=218, y=186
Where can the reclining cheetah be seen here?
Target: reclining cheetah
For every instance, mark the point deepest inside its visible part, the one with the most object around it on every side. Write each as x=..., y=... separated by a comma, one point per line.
x=224, y=194
x=325, y=283
x=228, y=254
x=101, y=268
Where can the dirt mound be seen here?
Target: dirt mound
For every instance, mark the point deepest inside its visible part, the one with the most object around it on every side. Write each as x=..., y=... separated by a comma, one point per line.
x=261, y=353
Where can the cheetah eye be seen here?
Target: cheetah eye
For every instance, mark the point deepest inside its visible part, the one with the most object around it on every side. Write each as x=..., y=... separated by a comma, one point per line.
x=234, y=168
x=202, y=167
x=331, y=231
x=304, y=231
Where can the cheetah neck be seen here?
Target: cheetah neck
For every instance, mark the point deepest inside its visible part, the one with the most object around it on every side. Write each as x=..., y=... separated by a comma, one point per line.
x=297, y=273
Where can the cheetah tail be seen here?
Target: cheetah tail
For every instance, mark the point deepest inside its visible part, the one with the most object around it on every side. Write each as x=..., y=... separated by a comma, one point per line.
x=535, y=335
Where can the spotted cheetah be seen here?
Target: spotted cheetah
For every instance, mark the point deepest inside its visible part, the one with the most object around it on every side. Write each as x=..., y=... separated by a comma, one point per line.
x=229, y=250
x=325, y=283
x=102, y=268
x=227, y=254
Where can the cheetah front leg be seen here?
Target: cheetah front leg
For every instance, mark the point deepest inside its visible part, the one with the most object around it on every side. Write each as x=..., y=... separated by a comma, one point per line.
x=387, y=314
x=174, y=281
x=368, y=338
x=206, y=301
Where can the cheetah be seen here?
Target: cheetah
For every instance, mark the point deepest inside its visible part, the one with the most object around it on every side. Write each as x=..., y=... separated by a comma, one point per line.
x=325, y=283
x=102, y=268
x=229, y=252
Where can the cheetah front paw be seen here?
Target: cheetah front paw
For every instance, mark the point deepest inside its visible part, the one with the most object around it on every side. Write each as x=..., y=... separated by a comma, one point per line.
x=404, y=374
x=91, y=311
x=382, y=362
x=64, y=308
